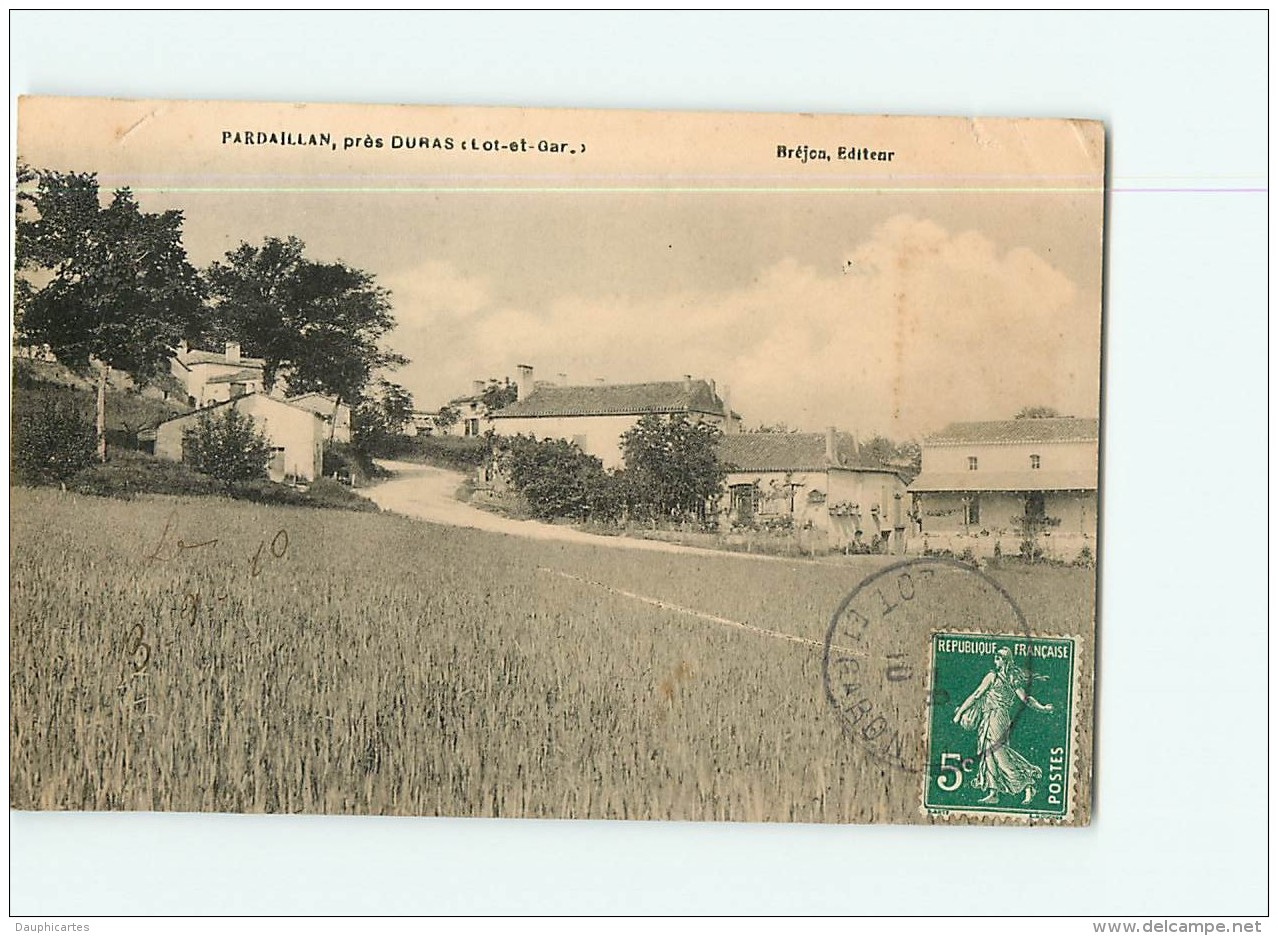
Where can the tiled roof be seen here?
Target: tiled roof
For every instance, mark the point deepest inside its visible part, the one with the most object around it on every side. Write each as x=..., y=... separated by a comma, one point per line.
x=1028, y=480
x=315, y=402
x=217, y=357
x=239, y=376
x=672, y=396
x=790, y=451
x=1055, y=429
x=239, y=399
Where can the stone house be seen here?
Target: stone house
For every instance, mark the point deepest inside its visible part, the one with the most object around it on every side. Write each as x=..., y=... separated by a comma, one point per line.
x=594, y=416
x=982, y=480
x=813, y=481
x=216, y=376
x=296, y=435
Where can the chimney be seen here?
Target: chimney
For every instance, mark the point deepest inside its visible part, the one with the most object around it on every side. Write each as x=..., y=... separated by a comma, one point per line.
x=563, y=380
x=712, y=390
x=687, y=382
x=831, y=446
x=476, y=387
x=232, y=352
x=600, y=380
x=525, y=381
x=729, y=424
x=183, y=349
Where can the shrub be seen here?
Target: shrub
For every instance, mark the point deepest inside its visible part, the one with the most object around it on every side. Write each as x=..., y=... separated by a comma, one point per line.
x=458, y=453
x=226, y=446
x=52, y=443
x=323, y=493
x=555, y=477
x=1085, y=559
x=127, y=474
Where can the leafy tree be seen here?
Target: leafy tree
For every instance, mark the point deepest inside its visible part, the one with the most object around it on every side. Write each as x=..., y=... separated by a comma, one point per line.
x=52, y=443
x=226, y=446
x=100, y=287
x=499, y=394
x=316, y=325
x=381, y=415
x=447, y=417
x=556, y=478
x=1037, y=412
x=673, y=467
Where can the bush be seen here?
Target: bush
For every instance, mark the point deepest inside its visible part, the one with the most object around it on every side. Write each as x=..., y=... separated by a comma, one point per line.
x=127, y=474
x=347, y=461
x=52, y=443
x=556, y=478
x=457, y=453
x=1085, y=559
x=226, y=446
x=324, y=493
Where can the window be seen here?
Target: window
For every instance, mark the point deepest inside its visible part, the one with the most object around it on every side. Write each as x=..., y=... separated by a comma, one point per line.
x=971, y=463
x=472, y=427
x=1036, y=462
x=1036, y=506
x=971, y=511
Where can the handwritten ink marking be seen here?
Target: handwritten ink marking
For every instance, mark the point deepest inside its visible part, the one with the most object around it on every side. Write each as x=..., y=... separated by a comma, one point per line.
x=278, y=547
x=179, y=545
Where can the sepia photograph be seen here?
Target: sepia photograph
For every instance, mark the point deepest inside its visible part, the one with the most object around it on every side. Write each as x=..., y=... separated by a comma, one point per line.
x=517, y=463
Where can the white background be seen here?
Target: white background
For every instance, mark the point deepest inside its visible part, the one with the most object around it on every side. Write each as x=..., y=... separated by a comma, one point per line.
x=1182, y=767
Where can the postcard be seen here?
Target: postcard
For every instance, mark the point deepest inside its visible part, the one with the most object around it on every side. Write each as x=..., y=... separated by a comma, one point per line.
x=495, y=462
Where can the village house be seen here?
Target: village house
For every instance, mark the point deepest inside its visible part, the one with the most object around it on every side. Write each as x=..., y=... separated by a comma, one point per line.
x=594, y=416
x=982, y=480
x=296, y=435
x=216, y=376
x=813, y=481
x=472, y=412
x=337, y=417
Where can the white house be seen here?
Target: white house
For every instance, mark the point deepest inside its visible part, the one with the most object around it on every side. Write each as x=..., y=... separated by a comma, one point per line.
x=337, y=417
x=980, y=480
x=594, y=416
x=215, y=377
x=296, y=435
x=816, y=481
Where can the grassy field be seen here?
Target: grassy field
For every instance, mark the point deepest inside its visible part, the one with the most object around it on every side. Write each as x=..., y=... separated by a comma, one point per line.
x=314, y=661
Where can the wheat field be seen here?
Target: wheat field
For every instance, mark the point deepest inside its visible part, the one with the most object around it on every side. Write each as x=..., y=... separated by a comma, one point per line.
x=207, y=655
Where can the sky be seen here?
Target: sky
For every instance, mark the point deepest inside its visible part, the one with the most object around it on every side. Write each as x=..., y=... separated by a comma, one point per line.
x=945, y=289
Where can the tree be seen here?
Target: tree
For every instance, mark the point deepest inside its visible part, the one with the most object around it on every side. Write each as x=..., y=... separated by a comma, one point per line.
x=100, y=287
x=226, y=446
x=1037, y=412
x=316, y=325
x=447, y=417
x=381, y=415
x=555, y=478
x=498, y=394
x=52, y=443
x=673, y=467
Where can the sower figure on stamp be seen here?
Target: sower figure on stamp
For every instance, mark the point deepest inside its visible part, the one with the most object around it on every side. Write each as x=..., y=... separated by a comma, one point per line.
x=989, y=711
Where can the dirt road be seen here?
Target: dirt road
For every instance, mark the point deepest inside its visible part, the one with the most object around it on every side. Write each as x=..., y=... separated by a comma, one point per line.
x=428, y=493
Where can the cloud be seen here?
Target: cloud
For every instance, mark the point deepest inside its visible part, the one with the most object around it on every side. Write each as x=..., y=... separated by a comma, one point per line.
x=921, y=326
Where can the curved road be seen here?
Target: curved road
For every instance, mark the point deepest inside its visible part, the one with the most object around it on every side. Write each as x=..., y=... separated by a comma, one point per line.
x=428, y=493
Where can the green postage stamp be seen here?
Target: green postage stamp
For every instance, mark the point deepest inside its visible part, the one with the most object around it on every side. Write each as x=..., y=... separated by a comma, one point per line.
x=1001, y=726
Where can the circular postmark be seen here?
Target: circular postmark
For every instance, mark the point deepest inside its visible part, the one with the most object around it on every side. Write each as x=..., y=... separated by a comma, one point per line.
x=878, y=659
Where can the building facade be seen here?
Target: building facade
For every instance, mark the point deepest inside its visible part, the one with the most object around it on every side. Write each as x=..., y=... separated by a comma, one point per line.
x=296, y=435
x=813, y=481
x=1008, y=483
x=594, y=416
x=216, y=376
